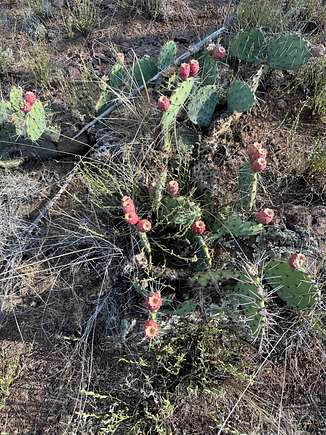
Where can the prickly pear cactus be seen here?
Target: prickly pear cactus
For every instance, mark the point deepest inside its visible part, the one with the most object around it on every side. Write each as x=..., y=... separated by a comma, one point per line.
x=248, y=46
x=159, y=191
x=248, y=181
x=4, y=111
x=209, y=69
x=241, y=98
x=236, y=227
x=288, y=51
x=177, y=100
x=167, y=55
x=179, y=211
x=295, y=287
x=35, y=121
x=143, y=70
x=118, y=76
x=252, y=303
x=202, y=105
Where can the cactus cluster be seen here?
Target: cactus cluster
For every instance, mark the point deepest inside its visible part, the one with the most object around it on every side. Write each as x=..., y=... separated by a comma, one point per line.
x=25, y=113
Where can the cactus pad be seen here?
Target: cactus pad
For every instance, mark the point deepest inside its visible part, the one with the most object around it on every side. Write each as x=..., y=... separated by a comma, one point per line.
x=295, y=287
x=248, y=181
x=4, y=111
x=202, y=252
x=251, y=303
x=211, y=278
x=209, y=69
x=240, y=97
x=177, y=100
x=179, y=211
x=16, y=98
x=167, y=55
x=143, y=70
x=236, y=227
x=35, y=121
x=288, y=51
x=247, y=46
x=202, y=105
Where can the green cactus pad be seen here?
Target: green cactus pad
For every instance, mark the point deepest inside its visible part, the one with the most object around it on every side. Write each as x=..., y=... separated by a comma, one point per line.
x=252, y=303
x=19, y=121
x=167, y=55
x=209, y=69
x=143, y=70
x=179, y=211
x=16, y=98
x=248, y=181
x=202, y=105
x=288, y=51
x=211, y=278
x=159, y=190
x=118, y=76
x=4, y=111
x=240, y=97
x=295, y=287
x=177, y=100
x=35, y=121
x=236, y=227
x=202, y=252
x=247, y=46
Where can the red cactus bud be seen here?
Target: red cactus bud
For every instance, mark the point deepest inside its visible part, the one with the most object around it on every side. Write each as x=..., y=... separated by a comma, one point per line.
x=184, y=71
x=198, y=227
x=26, y=107
x=154, y=301
x=194, y=67
x=163, y=103
x=30, y=97
x=128, y=205
x=219, y=52
x=259, y=165
x=173, y=188
x=151, y=328
x=256, y=151
x=265, y=216
x=297, y=260
x=131, y=218
x=144, y=226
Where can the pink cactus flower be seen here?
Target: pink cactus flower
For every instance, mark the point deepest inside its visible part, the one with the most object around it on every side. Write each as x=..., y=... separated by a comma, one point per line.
x=131, y=218
x=198, y=227
x=265, y=216
x=219, y=52
x=297, y=260
x=26, y=107
x=259, y=165
x=154, y=301
x=163, y=103
x=144, y=226
x=194, y=67
x=128, y=205
x=256, y=151
x=173, y=188
x=184, y=71
x=151, y=328
x=30, y=97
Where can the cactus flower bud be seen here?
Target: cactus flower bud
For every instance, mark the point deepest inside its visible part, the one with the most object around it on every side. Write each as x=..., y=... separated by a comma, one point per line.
x=265, y=216
x=154, y=301
x=297, y=261
x=163, y=103
x=151, y=328
x=144, y=226
x=128, y=205
x=194, y=67
x=184, y=71
x=259, y=165
x=26, y=107
x=131, y=218
x=198, y=227
x=219, y=52
x=30, y=97
x=256, y=151
x=173, y=188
